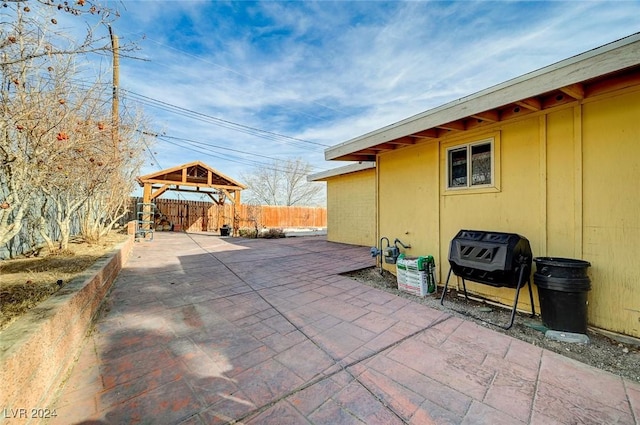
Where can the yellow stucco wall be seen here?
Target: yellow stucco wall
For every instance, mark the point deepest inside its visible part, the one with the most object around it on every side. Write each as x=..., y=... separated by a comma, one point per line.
x=351, y=208
x=409, y=197
x=561, y=186
x=611, y=215
x=567, y=180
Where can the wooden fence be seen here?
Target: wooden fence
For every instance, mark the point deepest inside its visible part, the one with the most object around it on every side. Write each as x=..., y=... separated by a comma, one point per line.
x=198, y=216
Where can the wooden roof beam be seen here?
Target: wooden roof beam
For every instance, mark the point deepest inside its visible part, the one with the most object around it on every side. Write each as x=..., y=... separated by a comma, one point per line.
x=557, y=99
x=431, y=133
x=229, y=196
x=576, y=91
x=402, y=141
x=454, y=125
x=159, y=192
x=190, y=184
x=627, y=79
x=491, y=116
x=216, y=200
x=532, y=104
x=357, y=156
x=514, y=111
x=367, y=152
x=192, y=172
x=381, y=147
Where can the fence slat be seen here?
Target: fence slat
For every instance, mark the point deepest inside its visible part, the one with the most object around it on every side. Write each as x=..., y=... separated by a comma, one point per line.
x=207, y=216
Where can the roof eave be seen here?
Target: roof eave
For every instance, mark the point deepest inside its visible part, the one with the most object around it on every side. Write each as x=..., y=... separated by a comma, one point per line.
x=339, y=171
x=609, y=58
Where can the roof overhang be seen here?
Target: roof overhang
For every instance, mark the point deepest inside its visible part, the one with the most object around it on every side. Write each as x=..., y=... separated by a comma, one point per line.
x=609, y=67
x=339, y=171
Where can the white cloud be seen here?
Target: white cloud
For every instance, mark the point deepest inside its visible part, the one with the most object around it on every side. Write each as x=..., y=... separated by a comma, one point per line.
x=330, y=71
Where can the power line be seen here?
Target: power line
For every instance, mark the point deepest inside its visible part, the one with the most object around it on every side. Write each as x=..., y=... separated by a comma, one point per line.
x=169, y=107
x=196, y=143
x=229, y=158
x=193, y=146
x=219, y=121
x=148, y=148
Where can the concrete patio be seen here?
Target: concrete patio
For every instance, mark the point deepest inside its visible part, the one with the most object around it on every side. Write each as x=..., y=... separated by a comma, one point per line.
x=206, y=330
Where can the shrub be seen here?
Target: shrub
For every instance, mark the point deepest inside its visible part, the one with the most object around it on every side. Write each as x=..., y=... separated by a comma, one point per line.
x=274, y=233
x=247, y=232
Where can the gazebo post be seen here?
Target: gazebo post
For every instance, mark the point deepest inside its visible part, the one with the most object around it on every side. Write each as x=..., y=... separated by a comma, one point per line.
x=235, y=202
x=191, y=177
x=146, y=207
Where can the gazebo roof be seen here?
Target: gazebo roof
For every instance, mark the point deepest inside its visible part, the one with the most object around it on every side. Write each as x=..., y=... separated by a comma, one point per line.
x=193, y=174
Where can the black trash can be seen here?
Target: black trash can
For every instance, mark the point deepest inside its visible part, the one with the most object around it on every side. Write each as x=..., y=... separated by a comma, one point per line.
x=224, y=230
x=562, y=289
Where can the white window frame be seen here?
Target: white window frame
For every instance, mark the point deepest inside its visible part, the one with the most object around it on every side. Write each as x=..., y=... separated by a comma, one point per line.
x=468, y=148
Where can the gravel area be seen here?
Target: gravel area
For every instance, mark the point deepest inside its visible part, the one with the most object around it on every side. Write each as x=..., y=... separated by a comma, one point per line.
x=620, y=356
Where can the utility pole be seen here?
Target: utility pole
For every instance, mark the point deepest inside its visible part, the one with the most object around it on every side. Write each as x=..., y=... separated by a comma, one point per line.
x=115, y=120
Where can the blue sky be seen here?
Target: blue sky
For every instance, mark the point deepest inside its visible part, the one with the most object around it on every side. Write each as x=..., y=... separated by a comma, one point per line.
x=258, y=81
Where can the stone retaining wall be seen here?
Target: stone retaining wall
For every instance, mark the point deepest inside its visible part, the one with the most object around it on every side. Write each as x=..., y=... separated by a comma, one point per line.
x=37, y=350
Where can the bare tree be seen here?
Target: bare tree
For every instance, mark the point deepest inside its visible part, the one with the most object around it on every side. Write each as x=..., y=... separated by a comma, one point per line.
x=83, y=168
x=254, y=216
x=263, y=183
x=110, y=202
x=282, y=183
x=31, y=25
x=48, y=120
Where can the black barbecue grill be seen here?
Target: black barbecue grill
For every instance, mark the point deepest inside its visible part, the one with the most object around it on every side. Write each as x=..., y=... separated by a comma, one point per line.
x=491, y=258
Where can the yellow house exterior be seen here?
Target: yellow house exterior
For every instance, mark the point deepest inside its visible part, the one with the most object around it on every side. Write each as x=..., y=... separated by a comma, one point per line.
x=351, y=203
x=553, y=156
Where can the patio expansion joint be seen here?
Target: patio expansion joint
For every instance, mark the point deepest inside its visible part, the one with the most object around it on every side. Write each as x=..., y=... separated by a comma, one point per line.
x=342, y=367
x=442, y=318
x=630, y=406
x=535, y=393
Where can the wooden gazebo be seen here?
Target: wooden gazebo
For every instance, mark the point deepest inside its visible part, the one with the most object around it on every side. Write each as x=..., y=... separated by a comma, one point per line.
x=194, y=177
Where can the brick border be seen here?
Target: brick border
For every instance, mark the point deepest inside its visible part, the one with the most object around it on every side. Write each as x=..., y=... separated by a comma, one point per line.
x=38, y=349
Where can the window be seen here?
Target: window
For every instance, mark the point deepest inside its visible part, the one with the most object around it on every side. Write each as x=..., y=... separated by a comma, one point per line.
x=470, y=165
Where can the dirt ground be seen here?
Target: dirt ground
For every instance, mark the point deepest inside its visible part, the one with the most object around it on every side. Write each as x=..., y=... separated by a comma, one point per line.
x=618, y=357
x=26, y=282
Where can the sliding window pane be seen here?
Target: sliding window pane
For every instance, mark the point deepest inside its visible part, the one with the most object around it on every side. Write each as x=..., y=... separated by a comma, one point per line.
x=458, y=167
x=481, y=164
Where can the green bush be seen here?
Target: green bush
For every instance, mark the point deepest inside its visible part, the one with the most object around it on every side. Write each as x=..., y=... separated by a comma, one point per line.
x=248, y=233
